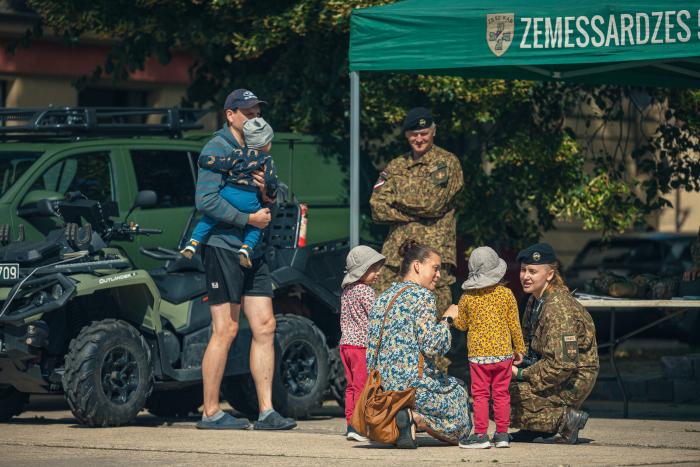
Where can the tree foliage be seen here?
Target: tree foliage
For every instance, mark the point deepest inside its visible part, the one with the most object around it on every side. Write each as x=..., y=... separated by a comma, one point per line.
x=524, y=167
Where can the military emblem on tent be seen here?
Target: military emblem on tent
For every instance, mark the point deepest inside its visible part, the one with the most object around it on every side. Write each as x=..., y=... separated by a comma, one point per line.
x=500, y=28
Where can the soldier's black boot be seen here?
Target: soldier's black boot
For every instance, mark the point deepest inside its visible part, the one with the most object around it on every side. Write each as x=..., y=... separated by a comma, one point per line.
x=572, y=421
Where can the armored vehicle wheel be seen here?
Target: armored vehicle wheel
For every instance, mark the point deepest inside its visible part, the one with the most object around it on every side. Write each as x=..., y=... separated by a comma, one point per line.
x=107, y=375
x=178, y=403
x=336, y=378
x=11, y=402
x=301, y=377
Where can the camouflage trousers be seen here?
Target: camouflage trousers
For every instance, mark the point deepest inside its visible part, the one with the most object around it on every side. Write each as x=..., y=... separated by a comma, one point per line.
x=544, y=411
x=443, y=294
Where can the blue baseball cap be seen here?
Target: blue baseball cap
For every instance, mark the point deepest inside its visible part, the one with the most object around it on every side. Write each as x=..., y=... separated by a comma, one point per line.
x=242, y=99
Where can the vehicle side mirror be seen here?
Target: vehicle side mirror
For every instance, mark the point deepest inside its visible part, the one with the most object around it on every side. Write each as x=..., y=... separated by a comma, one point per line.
x=144, y=199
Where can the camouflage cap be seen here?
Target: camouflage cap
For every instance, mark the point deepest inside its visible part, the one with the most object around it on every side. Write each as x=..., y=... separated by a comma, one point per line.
x=539, y=253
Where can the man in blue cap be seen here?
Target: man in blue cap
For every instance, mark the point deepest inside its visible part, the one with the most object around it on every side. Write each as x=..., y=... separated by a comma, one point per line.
x=229, y=284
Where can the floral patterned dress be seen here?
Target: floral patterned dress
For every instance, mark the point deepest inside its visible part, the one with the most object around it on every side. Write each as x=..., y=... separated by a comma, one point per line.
x=412, y=328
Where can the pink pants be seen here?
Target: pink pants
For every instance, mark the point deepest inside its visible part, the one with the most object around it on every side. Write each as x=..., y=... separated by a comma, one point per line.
x=355, y=364
x=491, y=380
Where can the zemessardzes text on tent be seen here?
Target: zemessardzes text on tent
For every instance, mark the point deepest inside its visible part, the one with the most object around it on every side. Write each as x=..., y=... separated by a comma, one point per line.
x=624, y=29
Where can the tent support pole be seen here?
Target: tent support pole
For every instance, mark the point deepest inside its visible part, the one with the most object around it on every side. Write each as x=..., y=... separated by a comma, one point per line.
x=354, y=159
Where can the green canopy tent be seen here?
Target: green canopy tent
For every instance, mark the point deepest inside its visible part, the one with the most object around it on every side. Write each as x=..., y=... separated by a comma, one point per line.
x=629, y=42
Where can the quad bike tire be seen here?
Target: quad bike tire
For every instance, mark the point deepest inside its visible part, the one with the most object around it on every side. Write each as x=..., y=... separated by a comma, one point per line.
x=108, y=374
x=239, y=391
x=301, y=373
x=11, y=402
x=179, y=403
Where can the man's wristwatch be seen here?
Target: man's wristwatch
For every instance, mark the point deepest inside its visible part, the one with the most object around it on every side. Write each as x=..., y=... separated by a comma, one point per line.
x=447, y=319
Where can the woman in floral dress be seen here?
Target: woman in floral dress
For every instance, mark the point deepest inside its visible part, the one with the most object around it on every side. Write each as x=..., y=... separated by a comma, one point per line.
x=412, y=329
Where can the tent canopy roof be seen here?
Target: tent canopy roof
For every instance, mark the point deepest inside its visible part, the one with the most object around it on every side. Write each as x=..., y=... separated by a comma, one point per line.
x=642, y=42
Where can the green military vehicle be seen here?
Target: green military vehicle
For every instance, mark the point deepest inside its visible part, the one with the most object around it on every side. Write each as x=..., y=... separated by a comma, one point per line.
x=109, y=155
x=114, y=319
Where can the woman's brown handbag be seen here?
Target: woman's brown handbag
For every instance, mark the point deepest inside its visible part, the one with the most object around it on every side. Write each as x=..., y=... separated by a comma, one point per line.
x=376, y=409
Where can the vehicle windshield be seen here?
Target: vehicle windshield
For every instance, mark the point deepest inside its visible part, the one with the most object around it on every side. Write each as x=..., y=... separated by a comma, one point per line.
x=13, y=165
x=620, y=252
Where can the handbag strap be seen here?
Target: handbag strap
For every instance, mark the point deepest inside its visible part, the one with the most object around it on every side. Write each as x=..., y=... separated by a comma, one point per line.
x=421, y=360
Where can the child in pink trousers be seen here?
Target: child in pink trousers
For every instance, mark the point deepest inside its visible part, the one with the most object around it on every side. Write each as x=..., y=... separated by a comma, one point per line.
x=489, y=313
x=361, y=267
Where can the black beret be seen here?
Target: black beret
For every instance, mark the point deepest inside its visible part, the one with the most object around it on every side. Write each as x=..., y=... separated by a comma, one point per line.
x=539, y=253
x=417, y=118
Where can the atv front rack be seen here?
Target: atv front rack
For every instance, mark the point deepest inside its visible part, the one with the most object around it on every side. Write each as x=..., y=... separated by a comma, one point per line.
x=46, y=288
x=38, y=295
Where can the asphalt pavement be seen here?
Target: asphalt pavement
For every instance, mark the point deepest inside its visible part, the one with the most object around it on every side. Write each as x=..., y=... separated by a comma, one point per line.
x=658, y=434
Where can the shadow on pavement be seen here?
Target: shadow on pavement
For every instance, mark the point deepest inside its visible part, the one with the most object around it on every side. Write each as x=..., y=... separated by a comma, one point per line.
x=643, y=410
x=421, y=441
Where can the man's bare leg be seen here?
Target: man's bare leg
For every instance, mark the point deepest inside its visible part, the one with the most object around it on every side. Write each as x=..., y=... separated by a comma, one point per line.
x=224, y=320
x=258, y=311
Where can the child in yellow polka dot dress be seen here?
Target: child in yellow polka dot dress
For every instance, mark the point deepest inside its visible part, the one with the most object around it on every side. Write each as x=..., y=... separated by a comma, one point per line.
x=488, y=313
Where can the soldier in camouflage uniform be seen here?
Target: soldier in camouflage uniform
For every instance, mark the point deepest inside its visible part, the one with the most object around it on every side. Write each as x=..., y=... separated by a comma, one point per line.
x=415, y=195
x=562, y=353
x=694, y=272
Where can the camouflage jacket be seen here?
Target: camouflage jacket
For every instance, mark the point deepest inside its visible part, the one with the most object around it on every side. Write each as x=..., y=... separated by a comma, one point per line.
x=695, y=251
x=416, y=197
x=564, y=338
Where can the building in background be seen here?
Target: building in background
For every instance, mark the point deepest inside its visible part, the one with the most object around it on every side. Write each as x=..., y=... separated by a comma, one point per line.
x=43, y=74
x=640, y=120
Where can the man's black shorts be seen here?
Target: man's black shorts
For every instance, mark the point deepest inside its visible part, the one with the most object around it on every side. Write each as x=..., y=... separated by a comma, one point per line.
x=228, y=281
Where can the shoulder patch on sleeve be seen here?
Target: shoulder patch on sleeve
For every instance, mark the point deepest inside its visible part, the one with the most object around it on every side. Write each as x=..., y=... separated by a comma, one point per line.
x=381, y=180
x=569, y=346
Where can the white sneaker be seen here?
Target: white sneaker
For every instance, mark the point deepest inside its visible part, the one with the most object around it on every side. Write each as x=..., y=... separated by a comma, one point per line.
x=501, y=440
x=475, y=441
x=244, y=257
x=188, y=252
x=353, y=435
